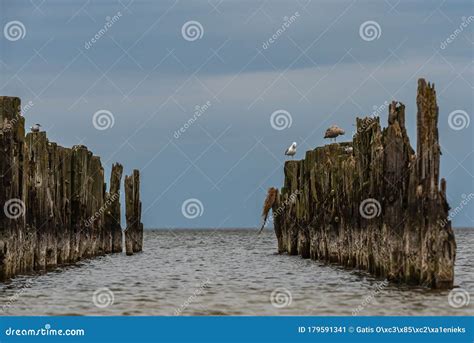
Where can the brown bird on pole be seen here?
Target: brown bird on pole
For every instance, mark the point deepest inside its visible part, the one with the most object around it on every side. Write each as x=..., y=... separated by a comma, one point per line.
x=269, y=201
x=333, y=132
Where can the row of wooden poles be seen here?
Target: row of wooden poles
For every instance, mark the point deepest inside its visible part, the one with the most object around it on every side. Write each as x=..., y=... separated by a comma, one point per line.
x=56, y=208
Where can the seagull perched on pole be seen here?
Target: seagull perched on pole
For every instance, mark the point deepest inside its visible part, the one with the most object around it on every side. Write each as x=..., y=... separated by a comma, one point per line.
x=291, y=151
x=333, y=132
x=35, y=128
x=348, y=149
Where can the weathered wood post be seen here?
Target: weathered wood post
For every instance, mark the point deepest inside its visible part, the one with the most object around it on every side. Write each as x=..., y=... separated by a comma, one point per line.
x=14, y=257
x=39, y=199
x=113, y=214
x=133, y=210
x=438, y=243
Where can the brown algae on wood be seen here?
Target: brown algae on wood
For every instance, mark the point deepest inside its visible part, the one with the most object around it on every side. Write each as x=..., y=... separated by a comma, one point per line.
x=379, y=206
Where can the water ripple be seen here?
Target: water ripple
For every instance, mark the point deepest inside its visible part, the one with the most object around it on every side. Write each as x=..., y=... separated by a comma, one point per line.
x=225, y=272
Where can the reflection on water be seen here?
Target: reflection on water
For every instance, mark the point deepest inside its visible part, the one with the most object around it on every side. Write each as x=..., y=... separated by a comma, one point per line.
x=224, y=272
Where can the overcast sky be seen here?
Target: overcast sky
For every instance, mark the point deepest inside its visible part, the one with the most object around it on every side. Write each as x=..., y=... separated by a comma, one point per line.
x=149, y=74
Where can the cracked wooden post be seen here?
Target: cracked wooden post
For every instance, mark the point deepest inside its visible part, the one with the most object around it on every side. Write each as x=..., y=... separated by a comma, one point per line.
x=133, y=210
x=378, y=206
x=14, y=257
x=438, y=244
x=113, y=214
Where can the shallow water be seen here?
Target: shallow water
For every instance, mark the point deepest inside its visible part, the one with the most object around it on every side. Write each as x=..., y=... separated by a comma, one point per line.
x=223, y=272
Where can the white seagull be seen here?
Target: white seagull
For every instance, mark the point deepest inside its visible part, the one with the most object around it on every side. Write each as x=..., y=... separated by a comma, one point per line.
x=35, y=128
x=291, y=151
x=348, y=149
